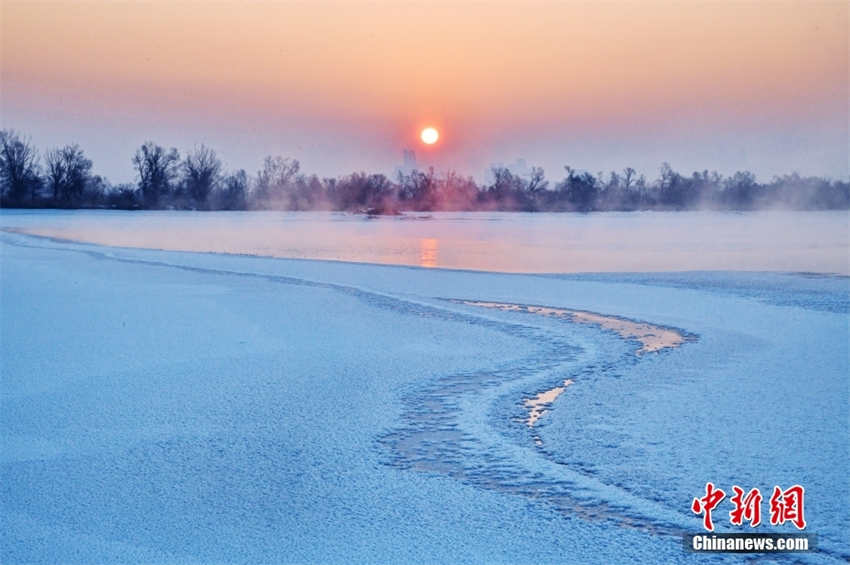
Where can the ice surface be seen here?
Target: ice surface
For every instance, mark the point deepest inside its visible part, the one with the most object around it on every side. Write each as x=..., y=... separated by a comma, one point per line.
x=166, y=407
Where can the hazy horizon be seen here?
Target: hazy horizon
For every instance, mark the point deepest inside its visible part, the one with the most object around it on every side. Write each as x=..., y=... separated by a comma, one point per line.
x=346, y=87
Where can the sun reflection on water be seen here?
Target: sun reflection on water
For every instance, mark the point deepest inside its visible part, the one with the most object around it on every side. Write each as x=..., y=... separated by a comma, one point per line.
x=429, y=249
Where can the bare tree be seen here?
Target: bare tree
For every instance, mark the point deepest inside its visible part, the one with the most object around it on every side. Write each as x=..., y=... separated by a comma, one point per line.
x=581, y=190
x=418, y=188
x=157, y=169
x=235, y=191
x=537, y=181
x=456, y=192
x=18, y=168
x=275, y=178
x=55, y=172
x=202, y=169
x=363, y=191
x=628, y=176
x=68, y=173
x=505, y=183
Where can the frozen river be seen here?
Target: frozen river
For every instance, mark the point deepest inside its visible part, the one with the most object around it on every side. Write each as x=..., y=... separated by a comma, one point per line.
x=506, y=242
x=173, y=407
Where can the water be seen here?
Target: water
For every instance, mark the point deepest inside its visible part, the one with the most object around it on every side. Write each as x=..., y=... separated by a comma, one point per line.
x=507, y=242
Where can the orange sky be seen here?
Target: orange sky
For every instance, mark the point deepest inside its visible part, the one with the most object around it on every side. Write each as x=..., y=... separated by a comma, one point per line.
x=347, y=84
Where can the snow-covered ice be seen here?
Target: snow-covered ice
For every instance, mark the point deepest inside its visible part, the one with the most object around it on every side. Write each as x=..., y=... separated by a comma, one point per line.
x=174, y=407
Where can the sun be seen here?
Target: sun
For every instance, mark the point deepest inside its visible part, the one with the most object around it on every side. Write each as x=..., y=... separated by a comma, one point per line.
x=429, y=136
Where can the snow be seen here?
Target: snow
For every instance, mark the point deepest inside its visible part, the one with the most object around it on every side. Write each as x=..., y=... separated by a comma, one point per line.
x=172, y=407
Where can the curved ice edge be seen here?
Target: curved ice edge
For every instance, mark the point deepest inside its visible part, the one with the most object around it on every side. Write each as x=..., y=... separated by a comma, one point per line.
x=652, y=337
x=452, y=427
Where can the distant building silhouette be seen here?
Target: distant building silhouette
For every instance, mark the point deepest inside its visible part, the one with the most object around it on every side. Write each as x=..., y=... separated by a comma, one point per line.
x=409, y=159
x=408, y=164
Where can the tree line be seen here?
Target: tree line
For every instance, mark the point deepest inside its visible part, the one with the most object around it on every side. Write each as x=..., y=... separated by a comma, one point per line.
x=63, y=178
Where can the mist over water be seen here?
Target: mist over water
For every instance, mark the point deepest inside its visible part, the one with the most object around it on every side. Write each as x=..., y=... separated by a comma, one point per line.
x=816, y=242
